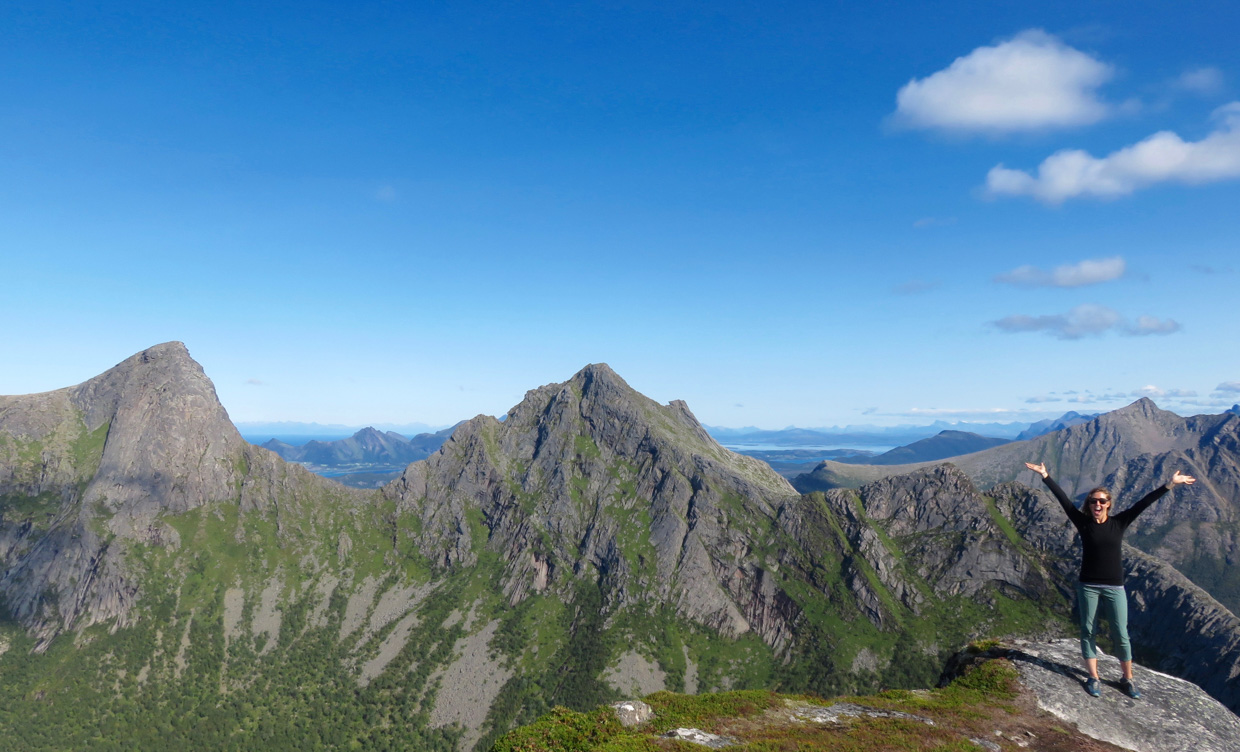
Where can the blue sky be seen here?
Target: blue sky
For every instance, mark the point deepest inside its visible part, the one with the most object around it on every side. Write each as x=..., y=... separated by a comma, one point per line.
x=809, y=215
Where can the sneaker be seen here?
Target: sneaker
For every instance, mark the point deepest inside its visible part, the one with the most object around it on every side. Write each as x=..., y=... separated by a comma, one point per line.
x=1091, y=686
x=1130, y=689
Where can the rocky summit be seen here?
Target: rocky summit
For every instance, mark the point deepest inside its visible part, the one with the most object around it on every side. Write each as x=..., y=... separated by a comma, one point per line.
x=166, y=584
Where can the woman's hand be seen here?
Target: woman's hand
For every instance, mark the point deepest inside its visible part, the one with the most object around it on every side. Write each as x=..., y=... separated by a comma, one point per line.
x=1178, y=477
x=1041, y=470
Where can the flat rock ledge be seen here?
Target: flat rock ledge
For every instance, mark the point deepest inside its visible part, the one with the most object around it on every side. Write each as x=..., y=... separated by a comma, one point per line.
x=1172, y=715
x=697, y=736
x=806, y=713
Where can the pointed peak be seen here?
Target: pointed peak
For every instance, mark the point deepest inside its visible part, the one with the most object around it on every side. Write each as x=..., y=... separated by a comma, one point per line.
x=598, y=372
x=1144, y=406
x=598, y=380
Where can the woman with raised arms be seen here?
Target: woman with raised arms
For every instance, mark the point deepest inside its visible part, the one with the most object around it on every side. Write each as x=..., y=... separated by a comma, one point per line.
x=1102, y=571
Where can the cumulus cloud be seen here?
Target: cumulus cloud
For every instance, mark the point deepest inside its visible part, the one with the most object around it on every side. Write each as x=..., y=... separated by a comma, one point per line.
x=1030, y=82
x=1163, y=157
x=1228, y=386
x=1089, y=272
x=1086, y=320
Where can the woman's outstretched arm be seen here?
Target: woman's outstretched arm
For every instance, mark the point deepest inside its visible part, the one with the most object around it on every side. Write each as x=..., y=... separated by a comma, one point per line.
x=1177, y=478
x=1068, y=507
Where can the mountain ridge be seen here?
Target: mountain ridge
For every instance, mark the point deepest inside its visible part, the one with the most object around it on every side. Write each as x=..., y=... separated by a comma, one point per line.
x=589, y=536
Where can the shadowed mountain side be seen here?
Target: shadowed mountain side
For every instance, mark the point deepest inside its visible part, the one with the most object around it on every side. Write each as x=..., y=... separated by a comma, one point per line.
x=87, y=469
x=942, y=446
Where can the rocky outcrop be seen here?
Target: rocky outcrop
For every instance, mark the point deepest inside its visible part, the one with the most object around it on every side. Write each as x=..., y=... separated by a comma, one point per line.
x=1172, y=715
x=87, y=468
x=1175, y=625
x=590, y=475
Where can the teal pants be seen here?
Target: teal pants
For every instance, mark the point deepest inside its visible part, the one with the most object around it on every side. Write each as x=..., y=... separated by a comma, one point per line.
x=1087, y=597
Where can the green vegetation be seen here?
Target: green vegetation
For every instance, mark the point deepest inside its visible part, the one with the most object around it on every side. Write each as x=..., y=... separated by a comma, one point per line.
x=761, y=721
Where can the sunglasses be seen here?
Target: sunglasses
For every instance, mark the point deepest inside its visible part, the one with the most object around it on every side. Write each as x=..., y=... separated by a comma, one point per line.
x=1099, y=501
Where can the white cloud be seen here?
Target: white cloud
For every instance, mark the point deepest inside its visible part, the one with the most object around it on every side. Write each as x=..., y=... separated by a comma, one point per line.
x=1089, y=272
x=1150, y=325
x=1086, y=320
x=1040, y=400
x=255, y=382
x=1030, y=82
x=1203, y=81
x=1163, y=157
x=1153, y=391
x=1228, y=386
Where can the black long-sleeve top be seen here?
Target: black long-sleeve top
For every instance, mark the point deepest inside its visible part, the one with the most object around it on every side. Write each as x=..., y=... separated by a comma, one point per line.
x=1101, y=542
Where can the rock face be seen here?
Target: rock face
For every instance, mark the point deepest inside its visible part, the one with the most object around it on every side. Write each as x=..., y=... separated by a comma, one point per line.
x=89, y=467
x=591, y=473
x=1172, y=715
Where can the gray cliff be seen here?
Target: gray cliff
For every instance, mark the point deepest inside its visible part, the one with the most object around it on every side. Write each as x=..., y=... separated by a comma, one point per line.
x=93, y=466
x=589, y=472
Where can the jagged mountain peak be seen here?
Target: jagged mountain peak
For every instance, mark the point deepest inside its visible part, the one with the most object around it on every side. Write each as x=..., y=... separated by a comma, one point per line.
x=1143, y=408
x=591, y=475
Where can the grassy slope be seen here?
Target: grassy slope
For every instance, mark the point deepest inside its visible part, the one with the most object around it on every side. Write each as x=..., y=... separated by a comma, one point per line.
x=173, y=676
x=761, y=721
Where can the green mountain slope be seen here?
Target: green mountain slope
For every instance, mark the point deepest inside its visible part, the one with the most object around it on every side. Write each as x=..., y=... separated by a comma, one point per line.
x=166, y=583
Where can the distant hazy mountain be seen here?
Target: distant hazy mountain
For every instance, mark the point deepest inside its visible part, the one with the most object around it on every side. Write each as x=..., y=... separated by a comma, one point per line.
x=1234, y=409
x=256, y=429
x=859, y=435
x=366, y=447
x=945, y=444
x=1050, y=425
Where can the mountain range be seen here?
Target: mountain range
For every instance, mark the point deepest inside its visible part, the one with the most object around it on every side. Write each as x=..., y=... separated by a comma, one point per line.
x=370, y=448
x=166, y=583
